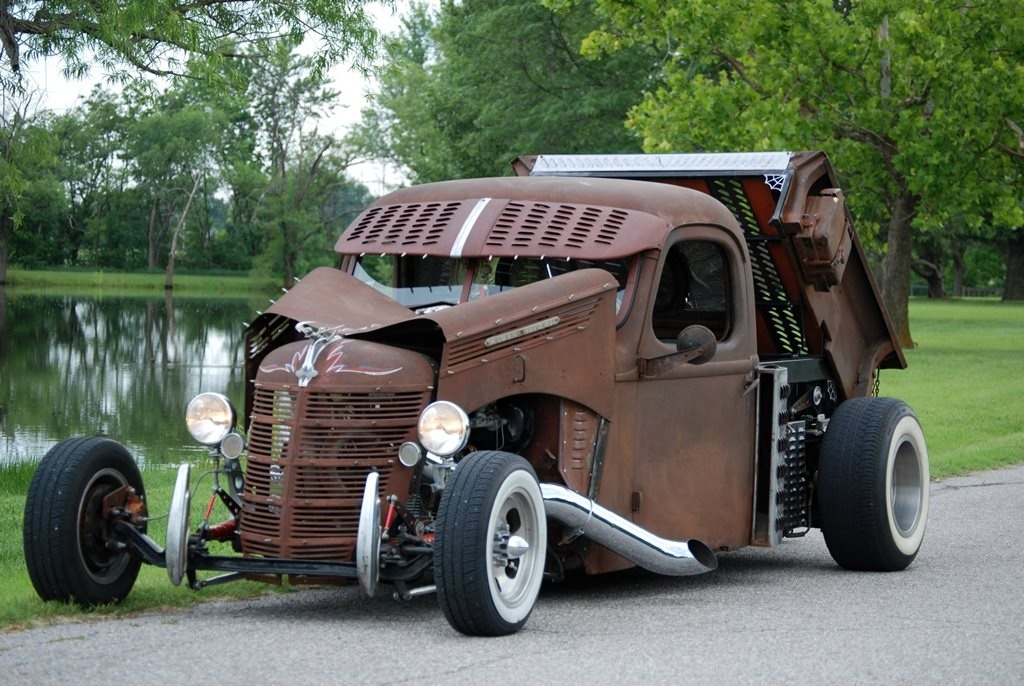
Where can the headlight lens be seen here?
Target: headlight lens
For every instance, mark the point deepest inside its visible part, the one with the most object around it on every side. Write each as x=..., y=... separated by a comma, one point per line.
x=443, y=428
x=210, y=417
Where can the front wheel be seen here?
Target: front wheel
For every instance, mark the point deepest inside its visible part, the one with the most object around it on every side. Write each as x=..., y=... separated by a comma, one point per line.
x=68, y=550
x=873, y=485
x=490, y=545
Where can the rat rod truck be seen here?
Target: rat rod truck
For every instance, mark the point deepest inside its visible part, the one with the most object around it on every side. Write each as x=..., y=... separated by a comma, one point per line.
x=601, y=362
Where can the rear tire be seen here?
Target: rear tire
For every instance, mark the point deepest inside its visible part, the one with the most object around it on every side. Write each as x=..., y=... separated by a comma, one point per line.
x=65, y=534
x=490, y=546
x=873, y=485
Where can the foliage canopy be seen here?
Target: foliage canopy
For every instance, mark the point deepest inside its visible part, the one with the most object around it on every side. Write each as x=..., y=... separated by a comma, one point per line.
x=232, y=176
x=160, y=36
x=922, y=105
x=466, y=89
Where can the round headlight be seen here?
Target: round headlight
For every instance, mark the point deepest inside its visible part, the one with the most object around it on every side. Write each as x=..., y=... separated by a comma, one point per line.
x=443, y=428
x=210, y=417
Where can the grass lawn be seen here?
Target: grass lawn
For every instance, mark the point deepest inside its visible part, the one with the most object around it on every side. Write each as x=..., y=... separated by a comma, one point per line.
x=964, y=383
x=21, y=607
x=99, y=282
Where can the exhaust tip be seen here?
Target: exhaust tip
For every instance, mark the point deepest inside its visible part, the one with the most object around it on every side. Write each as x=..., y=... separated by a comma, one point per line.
x=703, y=554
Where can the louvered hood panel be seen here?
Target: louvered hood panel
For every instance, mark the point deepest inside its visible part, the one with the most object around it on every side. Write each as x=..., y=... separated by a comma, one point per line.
x=505, y=217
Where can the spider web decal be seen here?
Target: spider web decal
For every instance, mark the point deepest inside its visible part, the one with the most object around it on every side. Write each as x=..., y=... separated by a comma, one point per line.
x=775, y=181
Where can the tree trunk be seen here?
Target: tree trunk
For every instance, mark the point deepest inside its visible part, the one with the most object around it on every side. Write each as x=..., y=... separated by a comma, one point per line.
x=1013, y=289
x=929, y=270
x=169, y=273
x=898, y=261
x=289, y=256
x=5, y=236
x=151, y=237
x=959, y=269
x=3, y=326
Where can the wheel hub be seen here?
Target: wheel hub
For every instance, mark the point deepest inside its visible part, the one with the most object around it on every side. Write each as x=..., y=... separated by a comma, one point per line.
x=508, y=548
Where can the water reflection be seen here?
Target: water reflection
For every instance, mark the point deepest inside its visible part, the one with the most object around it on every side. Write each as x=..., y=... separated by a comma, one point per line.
x=123, y=367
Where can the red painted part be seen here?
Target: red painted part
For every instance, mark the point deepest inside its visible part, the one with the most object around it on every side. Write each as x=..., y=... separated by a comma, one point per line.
x=222, y=532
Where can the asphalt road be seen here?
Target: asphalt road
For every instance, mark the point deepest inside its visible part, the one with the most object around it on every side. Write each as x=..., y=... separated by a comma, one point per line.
x=765, y=616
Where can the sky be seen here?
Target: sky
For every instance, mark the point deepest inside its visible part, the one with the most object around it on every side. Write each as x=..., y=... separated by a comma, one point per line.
x=59, y=94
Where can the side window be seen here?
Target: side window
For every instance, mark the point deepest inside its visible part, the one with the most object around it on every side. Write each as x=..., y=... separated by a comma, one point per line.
x=693, y=289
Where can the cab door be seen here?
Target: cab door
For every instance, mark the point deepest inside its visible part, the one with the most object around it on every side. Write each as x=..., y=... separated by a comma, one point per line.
x=696, y=423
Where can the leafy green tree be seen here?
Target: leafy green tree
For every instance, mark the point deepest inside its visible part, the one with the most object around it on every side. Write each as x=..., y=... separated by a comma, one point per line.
x=158, y=36
x=914, y=102
x=1013, y=288
x=27, y=174
x=170, y=150
x=305, y=169
x=467, y=90
x=91, y=140
x=120, y=244
x=235, y=236
x=36, y=240
x=307, y=208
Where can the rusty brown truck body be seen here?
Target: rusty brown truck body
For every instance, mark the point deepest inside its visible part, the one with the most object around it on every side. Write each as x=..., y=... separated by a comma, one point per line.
x=601, y=362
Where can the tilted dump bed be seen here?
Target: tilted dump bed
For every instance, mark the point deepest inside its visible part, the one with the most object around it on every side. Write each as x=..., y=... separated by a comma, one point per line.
x=816, y=296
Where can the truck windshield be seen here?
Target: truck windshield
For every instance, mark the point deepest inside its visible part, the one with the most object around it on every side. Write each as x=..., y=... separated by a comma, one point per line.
x=422, y=282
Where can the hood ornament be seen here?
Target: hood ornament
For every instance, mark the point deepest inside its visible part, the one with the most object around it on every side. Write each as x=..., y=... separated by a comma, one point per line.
x=320, y=338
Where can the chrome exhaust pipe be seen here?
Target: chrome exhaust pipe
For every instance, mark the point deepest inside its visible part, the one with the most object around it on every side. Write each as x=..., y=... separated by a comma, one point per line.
x=623, y=537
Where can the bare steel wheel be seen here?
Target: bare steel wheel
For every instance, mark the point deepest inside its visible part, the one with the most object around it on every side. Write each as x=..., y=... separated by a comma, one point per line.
x=873, y=481
x=491, y=543
x=69, y=551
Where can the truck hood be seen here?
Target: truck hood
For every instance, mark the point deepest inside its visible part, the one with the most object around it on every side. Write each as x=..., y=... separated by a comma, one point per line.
x=555, y=336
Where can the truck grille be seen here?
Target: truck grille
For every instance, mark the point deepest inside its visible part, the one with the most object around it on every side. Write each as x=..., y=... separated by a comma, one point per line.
x=310, y=452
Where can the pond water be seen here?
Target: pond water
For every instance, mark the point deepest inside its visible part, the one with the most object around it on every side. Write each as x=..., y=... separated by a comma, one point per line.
x=123, y=367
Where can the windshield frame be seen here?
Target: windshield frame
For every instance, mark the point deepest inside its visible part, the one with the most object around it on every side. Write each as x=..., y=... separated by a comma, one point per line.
x=474, y=277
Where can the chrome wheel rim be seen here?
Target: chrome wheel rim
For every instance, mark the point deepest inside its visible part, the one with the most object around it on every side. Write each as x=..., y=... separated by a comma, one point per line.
x=907, y=488
x=515, y=551
x=176, y=551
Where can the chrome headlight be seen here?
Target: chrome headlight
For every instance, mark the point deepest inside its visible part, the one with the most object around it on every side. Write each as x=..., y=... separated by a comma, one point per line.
x=443, y=428
x=210, y=417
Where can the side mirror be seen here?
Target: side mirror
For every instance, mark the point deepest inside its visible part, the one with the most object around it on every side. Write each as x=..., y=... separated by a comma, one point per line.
x=698, y=342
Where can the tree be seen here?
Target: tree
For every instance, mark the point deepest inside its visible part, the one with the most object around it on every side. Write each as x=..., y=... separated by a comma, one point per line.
x=170, y=150
x=240, y=162
x=305, y=169
x=158, y=36
x=1013, y=288
x=91, y=140
x=466, y=90
x=27, y=168
x=914, y=102
x=161, y=37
